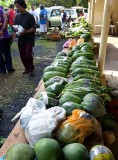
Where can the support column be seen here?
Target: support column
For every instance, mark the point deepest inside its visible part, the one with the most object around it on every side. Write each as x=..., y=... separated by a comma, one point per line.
x=92, y=14
x=104, y=35
x=89, y=11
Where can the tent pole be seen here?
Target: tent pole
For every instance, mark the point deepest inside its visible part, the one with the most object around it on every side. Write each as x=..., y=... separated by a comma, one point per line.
x=104, y=35
x=89, y=11
x=92, y=14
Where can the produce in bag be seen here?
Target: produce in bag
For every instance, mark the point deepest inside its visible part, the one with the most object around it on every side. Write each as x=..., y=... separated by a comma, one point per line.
x=100, y=152
x=77, y=126
x=42, y=125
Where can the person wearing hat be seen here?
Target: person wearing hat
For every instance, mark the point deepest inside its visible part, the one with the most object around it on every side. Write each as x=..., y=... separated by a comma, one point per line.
x=63, y=15
x=26, y=23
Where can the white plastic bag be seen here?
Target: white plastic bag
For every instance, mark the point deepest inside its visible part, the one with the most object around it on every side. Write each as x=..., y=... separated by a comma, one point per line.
x=41, y=125
x=32, y=107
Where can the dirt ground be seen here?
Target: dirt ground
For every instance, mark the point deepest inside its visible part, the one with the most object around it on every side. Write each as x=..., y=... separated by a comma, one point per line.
x=16, y=89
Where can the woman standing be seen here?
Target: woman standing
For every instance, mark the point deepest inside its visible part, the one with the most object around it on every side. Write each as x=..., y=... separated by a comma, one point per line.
x=5, y=53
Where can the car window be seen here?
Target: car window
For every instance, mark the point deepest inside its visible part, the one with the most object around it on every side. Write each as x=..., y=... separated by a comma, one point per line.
x=85, y=10
x=69, y=12
x=56, y=12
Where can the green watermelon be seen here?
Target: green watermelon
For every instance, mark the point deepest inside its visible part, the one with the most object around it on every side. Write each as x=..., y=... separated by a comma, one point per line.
x=48, y=149
x=75, y=151
x=20, y=152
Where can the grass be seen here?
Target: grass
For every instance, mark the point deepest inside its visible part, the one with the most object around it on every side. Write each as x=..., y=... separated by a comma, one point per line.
x=12, y=84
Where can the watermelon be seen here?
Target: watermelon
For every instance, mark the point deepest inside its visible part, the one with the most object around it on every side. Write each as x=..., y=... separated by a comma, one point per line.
x=47, y=149
x=20, y=151
x=75, y=151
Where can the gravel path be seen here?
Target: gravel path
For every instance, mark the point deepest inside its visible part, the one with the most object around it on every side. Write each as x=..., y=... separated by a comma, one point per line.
x=19, y=100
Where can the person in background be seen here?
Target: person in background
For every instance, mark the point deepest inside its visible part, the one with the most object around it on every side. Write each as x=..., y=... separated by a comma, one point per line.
x=32, y=11
x=26, y=36
x=43, y=20
x=5, y=52
x=63, y=15
x=69, y=19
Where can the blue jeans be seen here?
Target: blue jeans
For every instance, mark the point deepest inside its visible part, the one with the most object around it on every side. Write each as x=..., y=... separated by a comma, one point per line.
x=5, y=56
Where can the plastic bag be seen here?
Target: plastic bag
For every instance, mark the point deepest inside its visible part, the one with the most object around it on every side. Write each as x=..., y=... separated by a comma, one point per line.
x=41, y=125
x=32, y=107
x=78, y=126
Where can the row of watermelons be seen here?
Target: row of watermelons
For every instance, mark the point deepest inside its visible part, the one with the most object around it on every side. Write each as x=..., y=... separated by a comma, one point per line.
x=73, y=82
x=50, y=149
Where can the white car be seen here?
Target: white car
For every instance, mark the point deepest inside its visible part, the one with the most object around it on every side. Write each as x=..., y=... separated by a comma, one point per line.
x=71, y=12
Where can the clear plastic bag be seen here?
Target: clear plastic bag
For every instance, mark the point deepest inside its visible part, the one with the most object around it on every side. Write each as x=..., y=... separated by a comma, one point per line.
x=32, y=107
x=41, y=125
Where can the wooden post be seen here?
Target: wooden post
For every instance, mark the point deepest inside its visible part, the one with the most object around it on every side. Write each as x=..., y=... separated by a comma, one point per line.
x=89, y=11
x=92, y=14
x=104, y=35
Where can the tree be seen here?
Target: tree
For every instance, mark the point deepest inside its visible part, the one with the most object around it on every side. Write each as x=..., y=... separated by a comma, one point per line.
x=83, y=3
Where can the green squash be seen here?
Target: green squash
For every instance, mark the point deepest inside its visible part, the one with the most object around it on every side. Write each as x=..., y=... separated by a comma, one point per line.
x=48, y=149
x=75, y=151
x=20, y=152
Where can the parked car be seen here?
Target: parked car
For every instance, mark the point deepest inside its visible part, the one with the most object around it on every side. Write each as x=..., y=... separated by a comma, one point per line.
x=81, y=11
x=54, y=16
x=71, y=12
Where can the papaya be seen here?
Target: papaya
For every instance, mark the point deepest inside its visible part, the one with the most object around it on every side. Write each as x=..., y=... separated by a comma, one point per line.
x=20, y=151
x=75, y=151
x=88, y=55
x=75, y=66
x=68, y=97
x=48, y=75
x=86, y=37
x=48, y=149
x=47, y=94
x=70, y=106
x=55, y=88
x=49, y=101
x=84, y=71
x=55, y=68
x=52, y=80
x=61, y=53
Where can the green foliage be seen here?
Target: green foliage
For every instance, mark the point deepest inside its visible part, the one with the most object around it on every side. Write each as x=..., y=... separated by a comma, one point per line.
x=83, y=3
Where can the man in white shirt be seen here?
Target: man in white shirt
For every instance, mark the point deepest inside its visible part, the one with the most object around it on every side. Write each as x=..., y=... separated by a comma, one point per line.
x=33, y=12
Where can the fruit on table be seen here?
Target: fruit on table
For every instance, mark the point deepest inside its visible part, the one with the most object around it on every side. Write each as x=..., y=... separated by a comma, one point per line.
x=20, y=152
x=47, y=149
x=100, y=152
x=75, y=151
